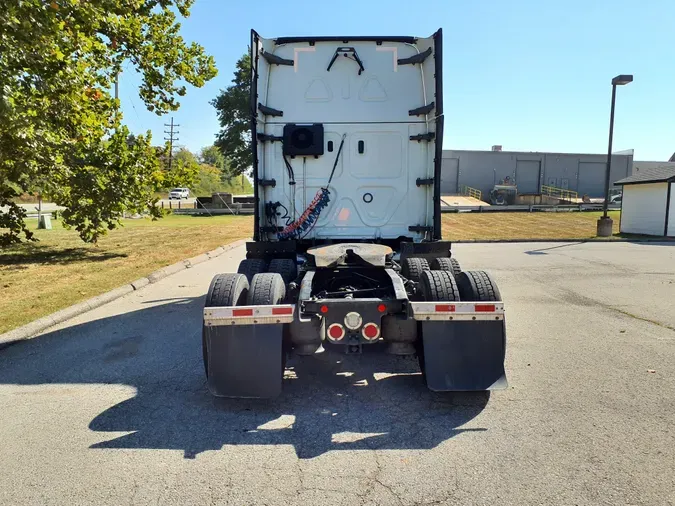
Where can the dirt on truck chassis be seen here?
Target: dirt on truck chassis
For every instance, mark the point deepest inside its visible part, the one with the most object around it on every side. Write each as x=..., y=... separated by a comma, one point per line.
x=347, y=248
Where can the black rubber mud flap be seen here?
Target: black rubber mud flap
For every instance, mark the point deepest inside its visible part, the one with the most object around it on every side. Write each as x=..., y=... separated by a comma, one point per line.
x=463, y=355
x=245, y=360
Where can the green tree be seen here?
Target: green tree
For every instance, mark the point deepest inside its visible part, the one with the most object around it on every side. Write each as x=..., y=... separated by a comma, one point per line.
x=211, y=155
x=60, y=128
x=208, y=181
x=183, y=172
x=234, y=115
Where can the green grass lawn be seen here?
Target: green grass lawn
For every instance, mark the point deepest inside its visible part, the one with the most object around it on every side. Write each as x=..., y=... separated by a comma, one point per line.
x=511, y=225
x=60, y=270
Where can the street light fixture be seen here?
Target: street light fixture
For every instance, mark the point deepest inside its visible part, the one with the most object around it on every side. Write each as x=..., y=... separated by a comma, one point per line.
x=605, y=222
x=622, y=79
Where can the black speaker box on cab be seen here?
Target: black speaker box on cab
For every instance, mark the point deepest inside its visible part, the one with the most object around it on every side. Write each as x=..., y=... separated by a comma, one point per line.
x=303, y=140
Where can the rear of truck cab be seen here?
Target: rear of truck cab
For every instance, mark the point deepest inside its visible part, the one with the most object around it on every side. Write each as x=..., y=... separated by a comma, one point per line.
x=347, y=143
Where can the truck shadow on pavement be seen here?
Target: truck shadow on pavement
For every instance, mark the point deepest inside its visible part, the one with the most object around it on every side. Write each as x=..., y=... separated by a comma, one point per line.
x=330, y=401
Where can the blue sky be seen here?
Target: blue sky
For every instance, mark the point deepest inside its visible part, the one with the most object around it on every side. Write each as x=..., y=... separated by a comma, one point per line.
x=530, y=75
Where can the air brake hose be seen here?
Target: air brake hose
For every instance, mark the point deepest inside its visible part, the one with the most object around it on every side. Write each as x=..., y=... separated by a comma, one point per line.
x=308, y=219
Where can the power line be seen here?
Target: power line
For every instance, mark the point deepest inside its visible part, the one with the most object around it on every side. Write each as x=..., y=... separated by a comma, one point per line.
x=131, y=100
x=173, y=137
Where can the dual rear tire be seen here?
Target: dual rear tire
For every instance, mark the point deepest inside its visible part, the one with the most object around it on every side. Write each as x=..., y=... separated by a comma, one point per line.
x=285, y=267
x=470, y=286
x=230, y=289
x=446, y=264
x=413, y=267
x=443, y=286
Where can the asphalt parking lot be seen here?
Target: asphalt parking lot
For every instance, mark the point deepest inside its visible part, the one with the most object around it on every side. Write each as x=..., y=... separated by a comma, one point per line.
x=112, y=407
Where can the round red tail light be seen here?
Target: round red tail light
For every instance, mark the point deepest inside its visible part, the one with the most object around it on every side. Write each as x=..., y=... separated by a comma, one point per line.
x=324, y=309
x=381, y=308
x=336, y=332
x=371, y=331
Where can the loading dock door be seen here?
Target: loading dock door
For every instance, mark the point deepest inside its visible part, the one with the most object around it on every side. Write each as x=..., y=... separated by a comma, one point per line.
x=591, y=179
x=527, y=176
x=449, y=175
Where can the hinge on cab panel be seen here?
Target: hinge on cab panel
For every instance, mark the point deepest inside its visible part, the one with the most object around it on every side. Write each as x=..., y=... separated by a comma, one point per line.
x=420, y=111
x=273, y=59
x=429, y=136
x=424, y=182
x=418, y=58
x=268, y=111
x=267, y=137
x=267, y=182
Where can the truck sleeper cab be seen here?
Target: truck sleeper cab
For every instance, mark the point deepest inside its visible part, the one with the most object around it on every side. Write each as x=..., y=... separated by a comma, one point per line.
x=347, y=248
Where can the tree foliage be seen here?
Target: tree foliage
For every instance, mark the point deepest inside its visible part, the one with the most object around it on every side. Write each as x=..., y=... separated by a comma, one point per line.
x=211, y=155
x=184, y=170
x=209, y=180
x=60, y=128
x=234, y=115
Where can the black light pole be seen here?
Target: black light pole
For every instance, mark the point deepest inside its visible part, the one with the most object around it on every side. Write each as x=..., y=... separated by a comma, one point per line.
x=605, y=223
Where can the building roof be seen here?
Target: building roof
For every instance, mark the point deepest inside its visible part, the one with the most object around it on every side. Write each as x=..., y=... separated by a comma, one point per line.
x=650, y=172
x=638, y=165
x=447, y=152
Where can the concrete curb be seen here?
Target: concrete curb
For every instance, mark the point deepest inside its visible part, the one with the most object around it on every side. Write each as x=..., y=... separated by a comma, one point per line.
x=140, y=283
x=35, y=327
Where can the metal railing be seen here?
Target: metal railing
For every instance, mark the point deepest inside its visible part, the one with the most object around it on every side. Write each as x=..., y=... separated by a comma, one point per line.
x=555, y=208
x=472, y=192
x=559, y=193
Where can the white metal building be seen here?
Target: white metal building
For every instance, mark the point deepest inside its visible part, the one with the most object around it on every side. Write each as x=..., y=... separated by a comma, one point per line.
x=648, y=202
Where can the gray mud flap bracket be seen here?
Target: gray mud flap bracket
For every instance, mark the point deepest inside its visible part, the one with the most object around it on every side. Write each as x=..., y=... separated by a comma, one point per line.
x=462, y=349
x=245, y=350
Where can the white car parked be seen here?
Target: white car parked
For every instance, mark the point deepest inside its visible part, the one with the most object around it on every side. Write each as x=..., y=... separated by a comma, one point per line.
x=179, y=193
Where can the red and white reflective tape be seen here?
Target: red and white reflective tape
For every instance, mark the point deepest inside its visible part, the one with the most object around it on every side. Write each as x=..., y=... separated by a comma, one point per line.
x=462, y=311
x=248, y=315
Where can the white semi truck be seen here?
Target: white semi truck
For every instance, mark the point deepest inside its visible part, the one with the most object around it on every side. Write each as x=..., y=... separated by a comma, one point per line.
x=347, y=249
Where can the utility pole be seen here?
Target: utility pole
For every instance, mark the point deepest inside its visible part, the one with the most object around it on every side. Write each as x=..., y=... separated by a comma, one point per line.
x=173, y=137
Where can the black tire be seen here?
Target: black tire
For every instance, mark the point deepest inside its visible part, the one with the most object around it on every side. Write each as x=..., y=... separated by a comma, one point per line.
x=252, y=266
x=446, y=264
x=477, y=286
x=225, y=290
x=266, y=289
x=439, y=286
x=413, y=268
x=284, y=267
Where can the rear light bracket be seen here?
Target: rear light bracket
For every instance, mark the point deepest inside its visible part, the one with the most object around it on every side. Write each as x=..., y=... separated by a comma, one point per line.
x=457, y=311
x=248, y=315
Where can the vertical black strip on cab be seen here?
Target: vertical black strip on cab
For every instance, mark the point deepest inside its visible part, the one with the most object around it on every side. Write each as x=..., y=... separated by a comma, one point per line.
x=438, y=156
x=668, y=209
x=254, y=128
